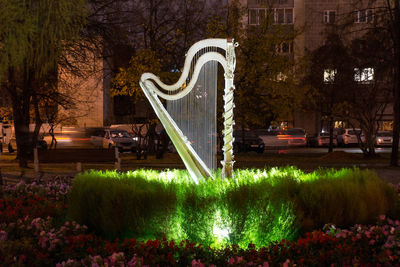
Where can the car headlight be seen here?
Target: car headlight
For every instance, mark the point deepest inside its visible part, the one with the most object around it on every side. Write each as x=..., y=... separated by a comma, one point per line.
x=379, y=139
x=135, y=138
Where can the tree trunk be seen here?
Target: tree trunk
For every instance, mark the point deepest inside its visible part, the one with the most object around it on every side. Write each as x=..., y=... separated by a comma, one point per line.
x=21, y=116
x=21, y=126
x=330, y=149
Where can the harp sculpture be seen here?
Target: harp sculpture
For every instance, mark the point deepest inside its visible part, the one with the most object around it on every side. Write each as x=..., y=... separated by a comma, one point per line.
x=190, y=116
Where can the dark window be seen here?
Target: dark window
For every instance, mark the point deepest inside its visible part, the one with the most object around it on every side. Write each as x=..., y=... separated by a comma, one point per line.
x=329, y=16
x=253, y=16
x=280, y=16
x=289, y=16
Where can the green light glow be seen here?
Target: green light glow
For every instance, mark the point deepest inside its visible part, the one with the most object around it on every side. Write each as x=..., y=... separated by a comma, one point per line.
x=220, y=231
x=257, y=206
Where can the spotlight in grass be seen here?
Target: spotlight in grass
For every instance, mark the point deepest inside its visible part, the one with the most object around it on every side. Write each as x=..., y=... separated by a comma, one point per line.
x=221, y=233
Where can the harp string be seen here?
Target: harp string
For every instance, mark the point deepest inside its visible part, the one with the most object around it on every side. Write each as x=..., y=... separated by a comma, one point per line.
x=195, y=114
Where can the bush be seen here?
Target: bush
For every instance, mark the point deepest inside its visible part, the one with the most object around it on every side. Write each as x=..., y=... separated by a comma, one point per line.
x=114, y=205
x=257, y=206
x=343, y=198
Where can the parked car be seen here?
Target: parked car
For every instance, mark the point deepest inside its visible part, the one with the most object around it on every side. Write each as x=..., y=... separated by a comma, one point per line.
x=251, y=142
x=108, y=138
x=384, y=138
x=296, y=137
x=348, y=136
x=272, y=138
x=321, y=139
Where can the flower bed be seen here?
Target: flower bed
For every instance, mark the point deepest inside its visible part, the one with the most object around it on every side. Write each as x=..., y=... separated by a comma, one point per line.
x=34, y=231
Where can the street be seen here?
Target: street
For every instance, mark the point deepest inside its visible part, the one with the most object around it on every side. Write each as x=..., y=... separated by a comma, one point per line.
x=321, y=150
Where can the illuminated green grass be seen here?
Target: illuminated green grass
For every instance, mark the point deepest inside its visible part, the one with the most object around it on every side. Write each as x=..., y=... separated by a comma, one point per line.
x=256, y=206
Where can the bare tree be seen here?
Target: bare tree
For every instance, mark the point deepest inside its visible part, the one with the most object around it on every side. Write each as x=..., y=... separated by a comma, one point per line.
x=384, y=18
x=329, y=74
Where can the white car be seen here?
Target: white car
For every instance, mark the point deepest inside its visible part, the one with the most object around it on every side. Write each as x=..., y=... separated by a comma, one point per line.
x=109, y=138
x=384, y=138
x=272, y=138
x=349, y=136
x=322, y=139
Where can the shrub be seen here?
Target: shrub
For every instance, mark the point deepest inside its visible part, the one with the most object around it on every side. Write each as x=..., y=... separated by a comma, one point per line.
x=113, y=205
x=344, y=198
x=257, y=206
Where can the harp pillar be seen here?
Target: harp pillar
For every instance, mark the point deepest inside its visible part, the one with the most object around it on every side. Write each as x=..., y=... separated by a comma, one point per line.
x=228, y=161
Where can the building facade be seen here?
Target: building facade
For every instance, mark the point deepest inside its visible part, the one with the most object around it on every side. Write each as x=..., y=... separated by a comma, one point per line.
x=313, y=20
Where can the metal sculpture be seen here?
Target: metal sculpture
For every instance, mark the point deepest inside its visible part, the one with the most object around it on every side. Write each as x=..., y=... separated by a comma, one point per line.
x=190, y=120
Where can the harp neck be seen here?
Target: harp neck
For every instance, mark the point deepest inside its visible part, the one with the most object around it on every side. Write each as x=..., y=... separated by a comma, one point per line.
x=227, y=62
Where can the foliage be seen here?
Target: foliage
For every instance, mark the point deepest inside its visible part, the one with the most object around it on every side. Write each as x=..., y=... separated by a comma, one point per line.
x=257, y=206
x=162, y=32
x=126, y=82
x=5, y=113
x=265, y=76
x=121, y=206
x=33, y=35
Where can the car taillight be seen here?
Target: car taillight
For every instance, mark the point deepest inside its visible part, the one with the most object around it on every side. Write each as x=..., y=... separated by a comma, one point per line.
x=283, y=136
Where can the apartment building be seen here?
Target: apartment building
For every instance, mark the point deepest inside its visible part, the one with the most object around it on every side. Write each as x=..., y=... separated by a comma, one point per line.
x=313, y=19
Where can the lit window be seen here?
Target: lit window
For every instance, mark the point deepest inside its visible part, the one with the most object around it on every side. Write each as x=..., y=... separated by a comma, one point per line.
x=280, y=77
x=329, y=75
x=363, y=16
x=364, y=75
x=329, y=16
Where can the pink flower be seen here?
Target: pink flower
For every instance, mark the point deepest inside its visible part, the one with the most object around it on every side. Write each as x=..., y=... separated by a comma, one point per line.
x=239, y=259
x=43, y=241
x=197, y=263
x=385, y=232
x=3, y=235
x=368, y=234
x=286, y=263
x=231, y=261
x=382, y=217
x=265, y=264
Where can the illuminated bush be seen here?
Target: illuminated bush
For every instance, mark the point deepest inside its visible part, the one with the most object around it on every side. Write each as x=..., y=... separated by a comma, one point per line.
x=257, y=206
